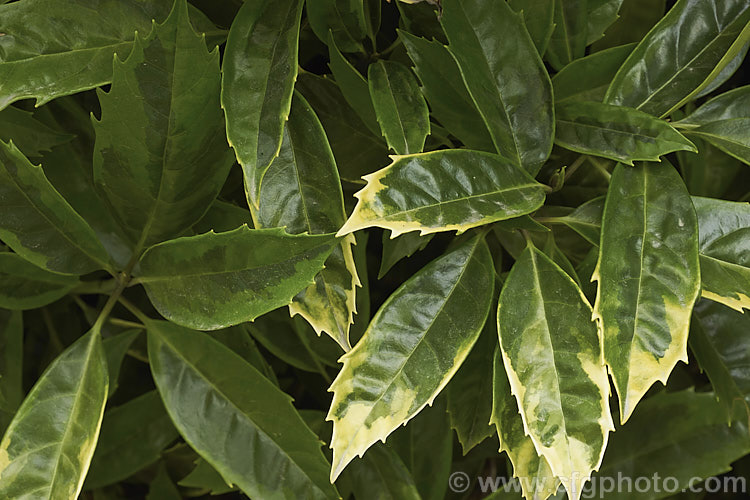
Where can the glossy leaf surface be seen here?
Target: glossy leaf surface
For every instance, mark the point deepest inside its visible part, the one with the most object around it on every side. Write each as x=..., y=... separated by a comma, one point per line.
x=30, y=135
x=648, y=275
x=507, y=81
x=302, y=192
x=568, y=41
x=400, y=108
x=38, y=460
x=681, y=55
x=267, y=434
x=215, y=280
x=600, y=68
x=38, y=224
x=616, y=132
x=660, y=437
x=722, y=353
x=538, y=16
x=412, y=348
x=345, y=19
x=450, y=190
x=25, y=286
x=133, y=436
x=444, y=88
x=725, y=268
x=11, y=365
x=552, y=355
x=160, y=156
x=258, y=73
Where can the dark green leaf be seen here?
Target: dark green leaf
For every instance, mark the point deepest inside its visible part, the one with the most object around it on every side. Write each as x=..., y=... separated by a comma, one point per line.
x=162, y=487
x=25, y=286
x=470, y=392
x=395, y=249
x=133, y=437
x=40, y=460
x=444, y=89
x=400, y=108
x=710, y=172
x=448, y=190
x=344, y=18
x=215, y=280
x=648, y=275
x=569, y=37
x=538, y=15
x=160, y=157
x=38, y=224
x=718, y=341
x=507, y=81
x=681, y=55
x=206, y=477
x=302, y=192
x=29, y=134
x=258, y=73
x=636, y=18
x=600, y=68
x=204, y=388
x=381, y=475
x=115, y=349
x=601, y=15
x=616, y=132
x=11, y=365
x=412, y=348
x=661, y=438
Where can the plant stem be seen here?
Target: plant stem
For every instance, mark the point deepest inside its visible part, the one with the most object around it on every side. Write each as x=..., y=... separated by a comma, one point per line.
x=126, y=323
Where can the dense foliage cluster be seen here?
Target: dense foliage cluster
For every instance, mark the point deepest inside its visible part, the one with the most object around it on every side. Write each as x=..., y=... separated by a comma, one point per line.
x=365, y=249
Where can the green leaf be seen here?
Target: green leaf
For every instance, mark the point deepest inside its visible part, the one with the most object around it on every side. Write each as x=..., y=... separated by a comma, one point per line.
x=353, y=86
x=470, y=392
x=601, y=15
x=635, y=20
x=293, y=342
x=711, y=172
x=722, y=354
x=238, y=339
x=585, y=220
x=38, y=224
x=162, y=487
x=258, y=73
x=400, y=247
x=661, y=438
x=215, y=280
x=538, y=16
x=302, y=192
x=448, y=190
x=723, y=121
x=429, y=430
x=115, y=349
x=725, y=267
x=681, y=55
x=400, y=108
x=345, y=19
x=381, y=474
x=204, y=388
x=222, y=216
x=413, y=346
x=600, y=68
x=29, y=134
x=444, y=89
x=648, y=275
x=533, y=471
x=206, y=477
x=25, y=286
x=133, y=437
x=11, y=365
x=616, y=132
x=507, y=81
x=553, y=359
x=41, y=460
x=357, y=151
x=40, y=59
x=729, y=70
x=160, y=156
x=569, y=37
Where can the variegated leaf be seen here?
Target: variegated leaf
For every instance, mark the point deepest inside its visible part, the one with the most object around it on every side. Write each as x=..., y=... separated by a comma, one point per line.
x=648, y=275
x=724, y=229
x=301, y=191
x=552, y=355
x=413, y=346
x=447, y=190
x=533, y=471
